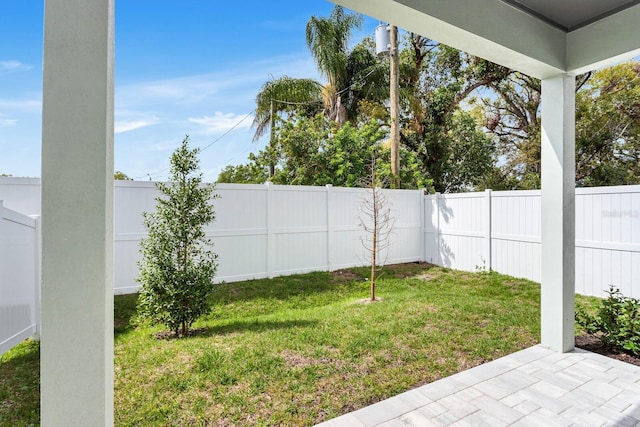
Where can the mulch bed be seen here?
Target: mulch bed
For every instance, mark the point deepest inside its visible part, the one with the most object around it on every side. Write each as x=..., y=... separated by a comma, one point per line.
x=592, y=343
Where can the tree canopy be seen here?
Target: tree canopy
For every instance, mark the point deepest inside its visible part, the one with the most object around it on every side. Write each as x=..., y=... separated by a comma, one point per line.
x=466, y=123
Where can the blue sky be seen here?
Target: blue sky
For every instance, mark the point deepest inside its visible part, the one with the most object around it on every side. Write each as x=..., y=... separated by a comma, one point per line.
x=182, y=67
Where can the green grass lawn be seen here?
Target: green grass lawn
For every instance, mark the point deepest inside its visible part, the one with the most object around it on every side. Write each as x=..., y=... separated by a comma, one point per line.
x=301, y=349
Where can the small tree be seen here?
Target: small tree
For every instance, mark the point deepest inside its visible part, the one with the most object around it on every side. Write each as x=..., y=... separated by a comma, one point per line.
x=178, y=266
x=377, y=222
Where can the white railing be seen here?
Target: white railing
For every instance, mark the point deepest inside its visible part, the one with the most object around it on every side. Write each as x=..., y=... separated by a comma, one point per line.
x=19, y=277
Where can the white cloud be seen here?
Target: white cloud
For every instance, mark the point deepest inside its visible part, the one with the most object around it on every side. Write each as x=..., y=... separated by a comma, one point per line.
x=22, y=105
x=6, y=122
x=236, y=86
x=221, y=122
x=12, y=66
x=121, y=126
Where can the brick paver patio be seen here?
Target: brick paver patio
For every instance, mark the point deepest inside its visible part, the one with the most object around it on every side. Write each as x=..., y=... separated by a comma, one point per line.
x=533, y=387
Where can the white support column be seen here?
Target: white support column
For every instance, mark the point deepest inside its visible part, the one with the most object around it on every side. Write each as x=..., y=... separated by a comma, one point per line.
x=77, y=214
x=558, y=212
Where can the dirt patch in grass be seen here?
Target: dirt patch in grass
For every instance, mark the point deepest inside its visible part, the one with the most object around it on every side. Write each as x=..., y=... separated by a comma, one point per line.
x=593, y=344
x=368, y=300
x=296, y=360
x=345, y=275
x=403, y=271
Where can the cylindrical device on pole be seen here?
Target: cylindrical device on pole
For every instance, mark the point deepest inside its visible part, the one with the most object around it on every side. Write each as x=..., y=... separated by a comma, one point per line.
x=383, y=44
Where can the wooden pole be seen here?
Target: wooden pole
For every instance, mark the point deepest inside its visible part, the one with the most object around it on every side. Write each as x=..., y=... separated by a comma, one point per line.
x=272, y=141
x=394, y=108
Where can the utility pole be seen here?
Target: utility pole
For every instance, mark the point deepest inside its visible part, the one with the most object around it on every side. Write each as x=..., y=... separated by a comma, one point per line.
x=272, y=141
x=394, y=107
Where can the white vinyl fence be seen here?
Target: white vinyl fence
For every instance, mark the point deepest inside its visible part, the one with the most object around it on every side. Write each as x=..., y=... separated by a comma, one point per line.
x=268, y=230
x=500, y=230
x=19, y=277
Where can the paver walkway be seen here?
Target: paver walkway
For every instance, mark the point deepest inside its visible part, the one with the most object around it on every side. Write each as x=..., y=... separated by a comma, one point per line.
x=533, y=387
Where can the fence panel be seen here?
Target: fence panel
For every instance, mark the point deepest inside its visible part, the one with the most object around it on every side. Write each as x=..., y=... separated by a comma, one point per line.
x=239, y=233
x=21, y=194
x=263, y=231
x=345, y=233
x=131, y=199
x=298, y=222
x=461, y=229
x=608, y=240
x=515, y=233
x=19, y=278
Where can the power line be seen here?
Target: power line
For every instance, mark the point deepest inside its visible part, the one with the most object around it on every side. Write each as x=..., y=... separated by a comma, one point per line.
x=150, y=175
x=315, y=101
x=158, y=172
x=228, y=131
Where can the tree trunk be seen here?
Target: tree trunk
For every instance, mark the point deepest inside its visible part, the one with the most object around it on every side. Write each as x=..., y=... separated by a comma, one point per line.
x=374, y=239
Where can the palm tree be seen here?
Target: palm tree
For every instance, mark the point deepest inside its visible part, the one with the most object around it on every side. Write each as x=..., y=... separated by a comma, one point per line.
x=328, y=41
x=280, y=95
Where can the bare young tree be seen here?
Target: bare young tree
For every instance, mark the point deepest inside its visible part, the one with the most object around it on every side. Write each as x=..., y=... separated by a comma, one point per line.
x=377, y=222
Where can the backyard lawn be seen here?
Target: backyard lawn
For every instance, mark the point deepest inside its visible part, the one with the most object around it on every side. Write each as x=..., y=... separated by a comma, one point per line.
x=301, y=349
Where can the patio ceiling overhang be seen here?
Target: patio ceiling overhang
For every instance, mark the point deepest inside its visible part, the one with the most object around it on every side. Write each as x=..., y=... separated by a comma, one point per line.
x=541, y=38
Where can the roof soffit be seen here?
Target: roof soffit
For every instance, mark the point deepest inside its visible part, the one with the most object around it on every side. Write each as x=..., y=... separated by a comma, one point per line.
x=490, y=29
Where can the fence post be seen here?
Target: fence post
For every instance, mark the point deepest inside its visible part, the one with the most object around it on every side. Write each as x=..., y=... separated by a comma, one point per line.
x=329, y=189
x=439, y=249
x=271, y=243
x=37, y=276
x=423, y=237
x=487, y=229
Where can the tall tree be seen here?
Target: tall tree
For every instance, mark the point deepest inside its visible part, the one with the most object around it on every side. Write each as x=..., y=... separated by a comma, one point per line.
x=328, y=40
x=283, y=95
x=178, y=265
x=349, y=74
x=608, y=127
x=513, y=118
x=436, y=80
x=315, y=151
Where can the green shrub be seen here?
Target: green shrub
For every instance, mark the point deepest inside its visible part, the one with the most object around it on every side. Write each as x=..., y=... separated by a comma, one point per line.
x=617, y=320
x=178, y=266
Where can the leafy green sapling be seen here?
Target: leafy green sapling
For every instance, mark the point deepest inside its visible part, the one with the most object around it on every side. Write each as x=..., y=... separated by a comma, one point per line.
x=178, y=264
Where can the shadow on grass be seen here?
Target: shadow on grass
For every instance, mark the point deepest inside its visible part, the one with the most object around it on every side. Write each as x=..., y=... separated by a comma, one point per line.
x=256, y=326
x=279, y=288
x=20, y=385
x=310, y=284
x=124, y=310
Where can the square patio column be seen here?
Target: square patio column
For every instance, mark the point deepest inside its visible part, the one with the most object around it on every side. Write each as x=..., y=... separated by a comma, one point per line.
x=77, y=214
x=558, y=212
